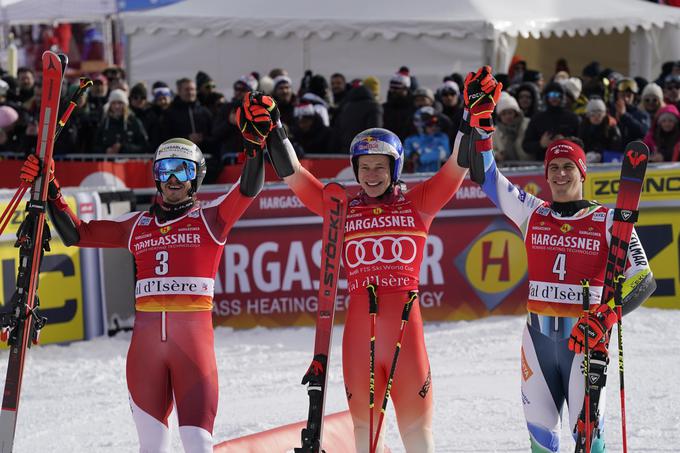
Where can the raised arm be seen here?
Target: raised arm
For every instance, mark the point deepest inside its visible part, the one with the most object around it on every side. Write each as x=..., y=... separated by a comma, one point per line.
x=73, y=231
x=259, y=119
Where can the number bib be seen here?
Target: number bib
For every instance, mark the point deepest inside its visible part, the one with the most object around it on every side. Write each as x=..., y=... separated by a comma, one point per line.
x=176, y=263
x=560, y=253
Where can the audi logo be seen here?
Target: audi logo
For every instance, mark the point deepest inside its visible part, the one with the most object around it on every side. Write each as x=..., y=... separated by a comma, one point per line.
x=380, y=250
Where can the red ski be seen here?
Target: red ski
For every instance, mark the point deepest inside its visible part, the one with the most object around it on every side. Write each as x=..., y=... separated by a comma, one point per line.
x=633, y=169
x=22, y=323
x=334, y=215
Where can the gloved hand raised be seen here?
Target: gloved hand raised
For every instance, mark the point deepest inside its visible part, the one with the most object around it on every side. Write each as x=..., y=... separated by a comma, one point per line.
x=480, y=94
x=599, y=323
x=30, y=170
x=256, y=117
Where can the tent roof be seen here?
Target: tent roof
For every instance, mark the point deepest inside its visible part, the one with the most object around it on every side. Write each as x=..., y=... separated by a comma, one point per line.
x=54, y=11
x=437, y=18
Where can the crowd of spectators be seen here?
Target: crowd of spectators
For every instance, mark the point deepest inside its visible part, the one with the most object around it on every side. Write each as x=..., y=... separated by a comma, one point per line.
x=602, y=107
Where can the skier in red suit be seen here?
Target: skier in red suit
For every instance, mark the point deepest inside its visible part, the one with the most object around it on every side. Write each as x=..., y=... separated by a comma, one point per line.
x=385, y=237
x=177, y=246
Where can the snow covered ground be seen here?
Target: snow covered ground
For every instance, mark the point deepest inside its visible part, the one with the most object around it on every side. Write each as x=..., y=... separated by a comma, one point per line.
x=74, y=397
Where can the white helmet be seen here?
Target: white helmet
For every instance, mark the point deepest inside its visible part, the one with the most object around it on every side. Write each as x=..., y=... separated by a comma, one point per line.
x=182, y=149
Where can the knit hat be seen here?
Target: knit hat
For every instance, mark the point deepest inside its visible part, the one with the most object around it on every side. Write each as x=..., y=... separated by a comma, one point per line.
x=507, y=102
x=572, y=87
x=8, y=116
x=399, y=81
x=4, y=87
x=373, y=85
x=138, y=90
x=592, y=69
x=161, y=91
x=247, y=82
x=266, y=85
x=568, y=149
x=282, y=79
x=595, y=105
x=424, y=92
x=652, y=90
x=448, y=87
x=202, y=78
x=118, y=95
x=304, y=109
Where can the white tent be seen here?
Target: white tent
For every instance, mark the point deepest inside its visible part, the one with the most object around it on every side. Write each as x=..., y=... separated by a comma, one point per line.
x=227, y=39
x=54, y=11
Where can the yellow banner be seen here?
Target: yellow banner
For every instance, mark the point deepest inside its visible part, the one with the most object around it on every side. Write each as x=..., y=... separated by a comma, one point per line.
x=661, y=184
x=658, y=229
x=59, y=287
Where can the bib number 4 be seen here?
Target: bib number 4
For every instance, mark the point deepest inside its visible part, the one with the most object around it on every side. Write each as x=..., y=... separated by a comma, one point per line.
x=560, y=266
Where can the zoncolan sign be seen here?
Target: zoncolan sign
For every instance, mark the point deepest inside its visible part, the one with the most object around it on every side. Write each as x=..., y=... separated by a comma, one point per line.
x=658, y=185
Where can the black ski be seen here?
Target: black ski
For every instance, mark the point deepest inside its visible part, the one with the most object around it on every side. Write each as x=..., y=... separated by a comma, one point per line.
x=633, y=169
x=334, y=215
x=22, y=323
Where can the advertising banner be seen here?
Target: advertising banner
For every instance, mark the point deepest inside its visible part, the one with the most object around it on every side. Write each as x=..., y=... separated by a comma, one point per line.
x=68, y=289
x=474, y=263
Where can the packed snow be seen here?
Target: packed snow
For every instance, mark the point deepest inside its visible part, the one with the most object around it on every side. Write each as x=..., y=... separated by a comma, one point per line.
x=74, y=397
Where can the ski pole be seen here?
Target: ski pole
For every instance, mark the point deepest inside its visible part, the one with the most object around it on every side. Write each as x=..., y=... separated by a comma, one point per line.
x=586, y=359
x=84, y=84
x=618, y=304
x=412, y=296
x=12, y=205
x=372, y=312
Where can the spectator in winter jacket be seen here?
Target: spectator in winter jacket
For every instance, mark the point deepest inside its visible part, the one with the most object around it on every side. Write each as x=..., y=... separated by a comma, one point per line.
x=652, y=99
x=162, y=97
x=554, y=123
x=26, y=84
x=598, y=131
x=423, y=97
x=204, y=86
x=510, y=129
x=309, y=134
x=632, y=121
x=574, y=99
x=398, y=110
x=13, y=136
x=448, y=96
x=120, y=132
x=671, y=90
x=430, y=147
x=339, y=89
x=529, y=99
x=358, y=112
x=141, y=107
x=663, y=137
x=187, y=118
x=285, y=99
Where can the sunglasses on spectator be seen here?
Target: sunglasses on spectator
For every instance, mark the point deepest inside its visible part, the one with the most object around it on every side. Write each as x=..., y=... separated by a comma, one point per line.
x=137, y=98
x=672, y=86
x=650, y=100
x=553, y=95
x=449, y=93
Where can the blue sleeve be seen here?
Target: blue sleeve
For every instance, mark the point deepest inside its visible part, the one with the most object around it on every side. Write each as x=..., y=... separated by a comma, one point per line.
x=514, y=202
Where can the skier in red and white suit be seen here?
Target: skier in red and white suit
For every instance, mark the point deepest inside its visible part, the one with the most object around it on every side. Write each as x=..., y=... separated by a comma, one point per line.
x=566, y=240
x=177, y=246
x=385, y=237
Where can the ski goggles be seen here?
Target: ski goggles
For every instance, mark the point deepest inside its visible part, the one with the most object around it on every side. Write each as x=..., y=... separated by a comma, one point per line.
x=184, y=170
